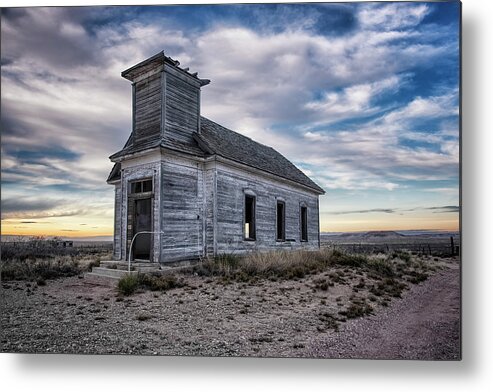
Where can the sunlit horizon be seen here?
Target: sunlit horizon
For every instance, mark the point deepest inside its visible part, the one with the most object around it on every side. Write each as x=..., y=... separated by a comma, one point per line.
x=446, y=226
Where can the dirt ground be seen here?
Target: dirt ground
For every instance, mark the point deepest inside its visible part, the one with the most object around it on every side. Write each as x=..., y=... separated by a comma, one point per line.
x=294, y=318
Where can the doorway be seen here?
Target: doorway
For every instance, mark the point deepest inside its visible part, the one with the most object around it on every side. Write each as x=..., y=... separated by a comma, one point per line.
x=143, y=222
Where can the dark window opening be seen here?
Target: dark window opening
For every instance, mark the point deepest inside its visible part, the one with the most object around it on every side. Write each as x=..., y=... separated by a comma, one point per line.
x=304, y=223
x=281, y=218
x=141, y=186
x=249, y=217
x=147, y=186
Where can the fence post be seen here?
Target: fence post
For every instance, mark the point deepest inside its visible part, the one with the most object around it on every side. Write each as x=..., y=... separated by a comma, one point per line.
x=452, y=245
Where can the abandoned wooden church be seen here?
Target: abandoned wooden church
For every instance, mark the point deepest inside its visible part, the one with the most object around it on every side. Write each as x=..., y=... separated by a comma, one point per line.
x=193, y=188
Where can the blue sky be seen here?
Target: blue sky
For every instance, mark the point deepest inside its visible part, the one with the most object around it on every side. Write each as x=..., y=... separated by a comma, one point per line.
x=363, y=97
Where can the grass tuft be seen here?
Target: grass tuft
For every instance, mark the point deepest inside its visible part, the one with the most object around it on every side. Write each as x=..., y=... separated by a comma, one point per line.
x=128, y=284
x=356, y=310
x=402, y=255
x=159, y=282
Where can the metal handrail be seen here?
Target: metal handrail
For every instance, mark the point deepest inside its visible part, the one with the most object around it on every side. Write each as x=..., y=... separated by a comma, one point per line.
x=132, y=243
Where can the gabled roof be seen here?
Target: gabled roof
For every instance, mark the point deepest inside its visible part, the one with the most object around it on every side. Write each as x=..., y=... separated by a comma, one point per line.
x=239, y=148
x=215, y=139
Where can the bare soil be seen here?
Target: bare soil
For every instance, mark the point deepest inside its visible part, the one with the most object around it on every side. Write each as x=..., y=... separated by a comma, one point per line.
x=425, y=325
x=295, y=318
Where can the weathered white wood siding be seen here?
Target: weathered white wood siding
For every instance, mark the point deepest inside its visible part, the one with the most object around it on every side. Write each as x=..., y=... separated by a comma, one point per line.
x=199, y=208
x=210, y=210
x=182, y=105
x=147, y=110
x=117, y=225
x=231, y=185
x=182, y=209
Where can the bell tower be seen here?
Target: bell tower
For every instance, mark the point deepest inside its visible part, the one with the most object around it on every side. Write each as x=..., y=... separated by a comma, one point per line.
x=165, y=101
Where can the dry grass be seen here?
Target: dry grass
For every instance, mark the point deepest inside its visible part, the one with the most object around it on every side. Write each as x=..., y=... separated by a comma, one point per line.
x=283, y=264
x=40, y=270
x=295, y=264
x=40, y=261
x=129, y=284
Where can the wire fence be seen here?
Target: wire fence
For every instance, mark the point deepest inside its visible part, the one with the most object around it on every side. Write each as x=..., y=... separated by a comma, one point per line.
x=443, y=247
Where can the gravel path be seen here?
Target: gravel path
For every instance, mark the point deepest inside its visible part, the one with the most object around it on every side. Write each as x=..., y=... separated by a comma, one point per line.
x=268, y=319
x=425, y=324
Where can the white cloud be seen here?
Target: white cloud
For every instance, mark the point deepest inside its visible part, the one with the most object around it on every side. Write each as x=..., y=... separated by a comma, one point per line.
x=353, y=101
x=392, y=16
x=431, y=107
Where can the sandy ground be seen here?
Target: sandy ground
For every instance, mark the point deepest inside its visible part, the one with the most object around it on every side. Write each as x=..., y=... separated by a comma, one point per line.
x=425, y=324
x=206, y=317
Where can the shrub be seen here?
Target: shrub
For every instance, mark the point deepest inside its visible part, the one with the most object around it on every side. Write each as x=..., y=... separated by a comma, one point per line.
x=417, y=277
x=329, y=321
x=403, y=255
x=131, y=282
x=128, y=284
x=321, y=284
x=159, y=282
x=347, y=259
x=143, y=317
x=92, y=264
x=356, y=310
x=381, y=266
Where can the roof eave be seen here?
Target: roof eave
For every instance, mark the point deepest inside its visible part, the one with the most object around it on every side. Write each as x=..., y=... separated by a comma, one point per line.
x=120, y=155
x=114, y=182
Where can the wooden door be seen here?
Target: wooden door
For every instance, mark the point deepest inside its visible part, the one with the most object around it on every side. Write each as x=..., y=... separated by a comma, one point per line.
x=143, y=222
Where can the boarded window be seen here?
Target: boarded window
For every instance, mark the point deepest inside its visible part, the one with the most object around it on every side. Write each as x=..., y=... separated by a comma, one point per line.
x=249, y=217
x=304, y=223
x=142, y=186
x=281, y=219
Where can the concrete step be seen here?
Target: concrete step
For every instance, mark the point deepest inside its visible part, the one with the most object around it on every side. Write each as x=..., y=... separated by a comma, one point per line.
x=123, y=265
x=110, y=273
x=100, y=280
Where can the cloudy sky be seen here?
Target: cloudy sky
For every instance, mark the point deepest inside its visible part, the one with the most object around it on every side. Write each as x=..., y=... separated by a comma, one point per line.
x=363, y=97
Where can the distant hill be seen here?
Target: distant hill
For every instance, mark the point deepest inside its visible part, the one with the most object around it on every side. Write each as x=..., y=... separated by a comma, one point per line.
x=390, y=233
x=382, y=233
x=388, y=236
x=366, y=234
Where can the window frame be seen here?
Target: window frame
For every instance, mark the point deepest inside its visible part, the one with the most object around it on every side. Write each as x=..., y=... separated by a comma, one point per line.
x=282, y=238
x=140, y=182
x=253, y=213
x=303, y=227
